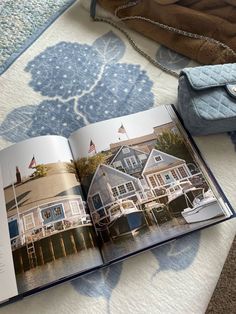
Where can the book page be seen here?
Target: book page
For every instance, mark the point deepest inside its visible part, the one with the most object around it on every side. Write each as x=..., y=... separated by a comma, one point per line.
x=50, y=231
x=143, y=182
x=8, y=288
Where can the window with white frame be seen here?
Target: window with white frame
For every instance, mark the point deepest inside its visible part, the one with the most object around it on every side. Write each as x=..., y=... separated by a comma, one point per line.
x=152, y=181
x=131, y=161
x=77, y=207
x=158, y=158
x=115, y=191
x=29, y=221
x=123, y=188
x=125, y=150
x=182, y=172
x=160, y=179
x=130, y=186
x=174, y=174
x=52, y=213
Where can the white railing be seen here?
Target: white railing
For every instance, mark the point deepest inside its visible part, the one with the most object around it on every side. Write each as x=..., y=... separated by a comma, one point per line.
x=45, y=230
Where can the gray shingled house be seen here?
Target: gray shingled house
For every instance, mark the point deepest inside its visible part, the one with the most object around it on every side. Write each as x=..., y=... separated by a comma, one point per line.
x=129, y=160
x=109, y=186
x=44, y=205
x=162, y=169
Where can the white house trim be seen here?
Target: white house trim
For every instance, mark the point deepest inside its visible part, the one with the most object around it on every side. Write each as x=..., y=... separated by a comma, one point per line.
x=186, y=169
x=157, y=161
x=113, y=169
x=130, y=160
x=189, y=175
x=51, y=203
x=59, y=219
x=156, y=150
x=127, y=192
x=76, y=201
x=126, y=146
x=155, y=179
x=32, y=220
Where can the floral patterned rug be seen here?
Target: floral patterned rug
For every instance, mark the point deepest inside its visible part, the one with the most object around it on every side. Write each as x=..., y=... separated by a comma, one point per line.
x=78, y=72
x=21, y=22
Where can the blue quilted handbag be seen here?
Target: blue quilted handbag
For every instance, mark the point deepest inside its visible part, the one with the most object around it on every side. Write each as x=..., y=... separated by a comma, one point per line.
x=207, y=98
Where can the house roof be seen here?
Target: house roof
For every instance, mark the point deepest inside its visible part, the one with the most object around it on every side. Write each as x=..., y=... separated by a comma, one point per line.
x=166, y=161
x=134, y=141
x=112, y=172
x=126, y=146
x=55, y=186
x=157, y=130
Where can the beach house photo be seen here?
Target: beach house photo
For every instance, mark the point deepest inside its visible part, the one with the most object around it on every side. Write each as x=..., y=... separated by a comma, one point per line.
x=50, y=229
x=142, y=182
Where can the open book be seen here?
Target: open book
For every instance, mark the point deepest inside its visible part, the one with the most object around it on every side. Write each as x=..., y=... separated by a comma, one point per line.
x=113, y=189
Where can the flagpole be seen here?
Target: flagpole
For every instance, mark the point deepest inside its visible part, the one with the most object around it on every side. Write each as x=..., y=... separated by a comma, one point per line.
x=126, y=134
x=16, y=204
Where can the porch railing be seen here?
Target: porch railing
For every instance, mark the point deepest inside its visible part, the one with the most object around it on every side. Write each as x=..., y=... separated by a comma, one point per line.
x=44, y=230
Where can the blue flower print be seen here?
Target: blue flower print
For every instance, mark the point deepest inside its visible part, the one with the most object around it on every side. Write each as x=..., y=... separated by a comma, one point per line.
x=123, y=89
x=53, y=115
x=178, y=254
x=171, y=59
x=100, y=283
x=80, y=84
x=65, y=70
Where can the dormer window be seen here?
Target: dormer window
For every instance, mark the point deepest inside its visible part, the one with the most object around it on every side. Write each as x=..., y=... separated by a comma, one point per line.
x=158, y=158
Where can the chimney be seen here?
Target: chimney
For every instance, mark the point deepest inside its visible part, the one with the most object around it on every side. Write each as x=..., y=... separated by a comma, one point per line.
x=18, y=176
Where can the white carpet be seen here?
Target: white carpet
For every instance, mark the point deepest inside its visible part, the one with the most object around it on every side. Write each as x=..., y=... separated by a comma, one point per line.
x=176, y=278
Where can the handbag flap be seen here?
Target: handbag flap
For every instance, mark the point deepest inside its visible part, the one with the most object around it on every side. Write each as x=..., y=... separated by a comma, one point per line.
x=205, y=77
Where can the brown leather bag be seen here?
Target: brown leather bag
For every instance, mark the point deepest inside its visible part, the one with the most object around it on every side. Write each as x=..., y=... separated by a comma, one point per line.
x=204, y=31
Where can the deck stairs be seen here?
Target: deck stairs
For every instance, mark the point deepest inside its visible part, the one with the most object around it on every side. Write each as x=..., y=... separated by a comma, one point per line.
x=31, y=252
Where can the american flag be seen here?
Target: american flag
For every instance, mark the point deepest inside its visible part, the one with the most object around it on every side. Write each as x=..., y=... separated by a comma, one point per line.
x=122, y=129
x=92, y=147
x=32, y=163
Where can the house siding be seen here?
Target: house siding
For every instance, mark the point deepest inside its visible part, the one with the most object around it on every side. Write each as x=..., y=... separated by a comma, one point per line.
x=37, y=216
x=162, y=169
x=174, y=173
x=136, y=162
x=106, y=178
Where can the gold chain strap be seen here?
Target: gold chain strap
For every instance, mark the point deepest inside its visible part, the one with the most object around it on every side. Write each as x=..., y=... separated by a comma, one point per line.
x=161, y=25
x=136, y=48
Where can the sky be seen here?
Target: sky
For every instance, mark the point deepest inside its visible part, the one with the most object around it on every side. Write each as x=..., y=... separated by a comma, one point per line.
x=106, y=132
x=45, y=149
x=51, y=148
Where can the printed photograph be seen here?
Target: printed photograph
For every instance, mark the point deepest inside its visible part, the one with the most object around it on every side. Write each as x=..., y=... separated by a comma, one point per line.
x=141, y=182
x=49, y=224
